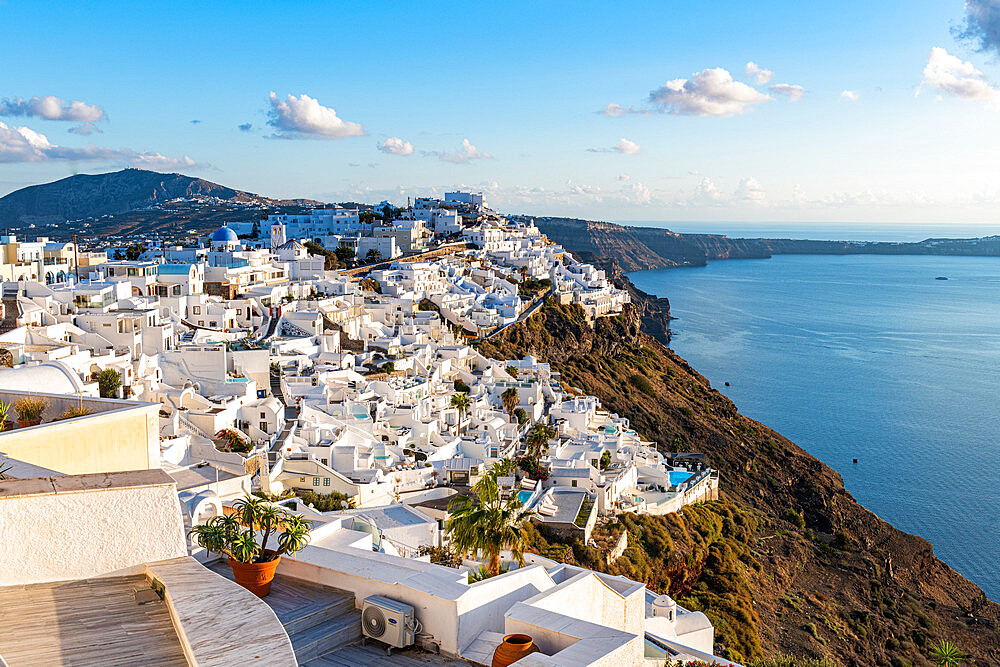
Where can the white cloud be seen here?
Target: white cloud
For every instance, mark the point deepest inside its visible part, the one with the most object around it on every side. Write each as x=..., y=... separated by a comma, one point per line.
x=793, y=92
x=85, y=129
x=636, y=193
x=614, y=110
x=396, y=146
x=50, y=107
x=22, y=144
x=627, y=147
x=624, y=146
x=850, y=95
x=982, y=25
x=466, y=154
x=303, y=117
x=750, y=190
x=706, y=191
x=757, y=74
x=624, y=177
x=711, y=92
x=948, y=74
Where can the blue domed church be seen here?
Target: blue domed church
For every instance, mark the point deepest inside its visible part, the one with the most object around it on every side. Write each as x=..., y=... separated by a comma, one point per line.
x=224, y=239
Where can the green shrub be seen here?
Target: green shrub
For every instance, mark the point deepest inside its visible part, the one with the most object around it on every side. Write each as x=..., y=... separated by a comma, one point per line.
x=789, y=661
x=325, y=502
x=30, y=408
x=109, y=381
x=794, y=517
x=643, y=384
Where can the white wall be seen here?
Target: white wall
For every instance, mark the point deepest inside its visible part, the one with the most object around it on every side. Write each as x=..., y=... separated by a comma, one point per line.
x=82, y=526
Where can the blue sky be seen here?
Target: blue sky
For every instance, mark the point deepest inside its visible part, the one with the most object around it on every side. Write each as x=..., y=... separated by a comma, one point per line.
x=856, y=111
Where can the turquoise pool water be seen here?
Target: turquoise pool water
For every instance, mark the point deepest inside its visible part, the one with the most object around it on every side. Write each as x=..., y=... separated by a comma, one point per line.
x=676, y=477
x=523, y=496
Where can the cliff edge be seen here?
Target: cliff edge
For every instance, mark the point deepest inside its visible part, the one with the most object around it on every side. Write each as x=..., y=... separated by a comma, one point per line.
x=787, y=562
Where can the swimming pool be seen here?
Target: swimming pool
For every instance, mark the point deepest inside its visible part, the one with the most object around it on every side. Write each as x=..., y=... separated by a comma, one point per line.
x=524, y=495
x=678, y=476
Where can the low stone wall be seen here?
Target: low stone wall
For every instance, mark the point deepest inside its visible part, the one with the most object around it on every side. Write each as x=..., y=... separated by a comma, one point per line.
x=218, y=622
x=117, y=435
x=85, y=526
x=619, y=548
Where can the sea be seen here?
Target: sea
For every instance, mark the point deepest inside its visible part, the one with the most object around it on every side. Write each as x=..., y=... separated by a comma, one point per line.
x=846, y=231
x=871, y=358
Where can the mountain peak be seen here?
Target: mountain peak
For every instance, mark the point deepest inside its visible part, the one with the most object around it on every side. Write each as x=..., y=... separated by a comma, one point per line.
x=94, y=195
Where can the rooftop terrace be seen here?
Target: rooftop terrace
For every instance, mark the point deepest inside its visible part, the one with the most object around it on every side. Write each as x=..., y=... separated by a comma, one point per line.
x=325, y=627
x=87, y=622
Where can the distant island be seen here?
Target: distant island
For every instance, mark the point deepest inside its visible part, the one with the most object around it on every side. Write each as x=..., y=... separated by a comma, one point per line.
x=639, y=248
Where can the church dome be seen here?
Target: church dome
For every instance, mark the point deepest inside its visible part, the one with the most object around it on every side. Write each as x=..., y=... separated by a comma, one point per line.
x=224, y=235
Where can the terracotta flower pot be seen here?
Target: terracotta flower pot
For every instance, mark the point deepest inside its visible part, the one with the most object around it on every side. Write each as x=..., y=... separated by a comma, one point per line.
x=255, y=577
x=512, y=649
x=25, y=423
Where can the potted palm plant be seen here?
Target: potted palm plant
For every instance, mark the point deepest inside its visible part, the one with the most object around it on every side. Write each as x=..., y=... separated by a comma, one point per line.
x=29, y=410
x=236, y=536
x=4, y=413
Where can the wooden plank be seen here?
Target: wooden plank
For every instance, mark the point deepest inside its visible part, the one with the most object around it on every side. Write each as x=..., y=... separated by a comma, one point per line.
x=86, y=622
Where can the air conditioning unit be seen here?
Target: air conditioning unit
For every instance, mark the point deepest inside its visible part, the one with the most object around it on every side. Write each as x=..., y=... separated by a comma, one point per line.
x=389, y=621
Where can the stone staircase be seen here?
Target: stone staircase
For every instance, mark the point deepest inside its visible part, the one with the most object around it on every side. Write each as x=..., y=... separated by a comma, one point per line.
x=324, y=629
x=275, y=382
x=317, y=618
x=11, y=309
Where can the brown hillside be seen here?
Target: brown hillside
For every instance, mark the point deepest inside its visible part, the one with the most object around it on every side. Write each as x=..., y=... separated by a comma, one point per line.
x=788, y=562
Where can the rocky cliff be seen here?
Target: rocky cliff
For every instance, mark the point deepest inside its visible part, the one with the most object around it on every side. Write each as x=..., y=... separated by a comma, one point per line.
x=638, y=248
x=787, y=562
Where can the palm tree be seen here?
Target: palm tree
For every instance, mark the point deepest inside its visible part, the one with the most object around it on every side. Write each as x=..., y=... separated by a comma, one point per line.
x=946, y=654
x=485, y=522
x=462, y=402
x=235, y=534
x=510, y=400
x=537, y=438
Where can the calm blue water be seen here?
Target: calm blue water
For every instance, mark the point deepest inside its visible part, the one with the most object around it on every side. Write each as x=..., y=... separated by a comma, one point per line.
x=678, y=477
x=524, y=495
x=865, y=357
x=830, y=231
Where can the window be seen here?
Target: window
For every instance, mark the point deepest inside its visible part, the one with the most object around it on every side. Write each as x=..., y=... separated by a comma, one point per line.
x=196, y=310
x=574, y=482
x=323, y=461
x=263, y=427
x=176, y=290
x=315, y=481
x=263, y=415
x=326, y=481
x=213, y=323
x=131, y=272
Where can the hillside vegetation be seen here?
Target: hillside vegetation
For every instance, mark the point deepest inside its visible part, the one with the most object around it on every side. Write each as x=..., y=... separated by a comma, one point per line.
x=787, y=562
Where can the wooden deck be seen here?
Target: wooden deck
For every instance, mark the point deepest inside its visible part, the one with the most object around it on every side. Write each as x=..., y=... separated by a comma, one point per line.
x=87, y=622
x=374, y=654
x=290, y=599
